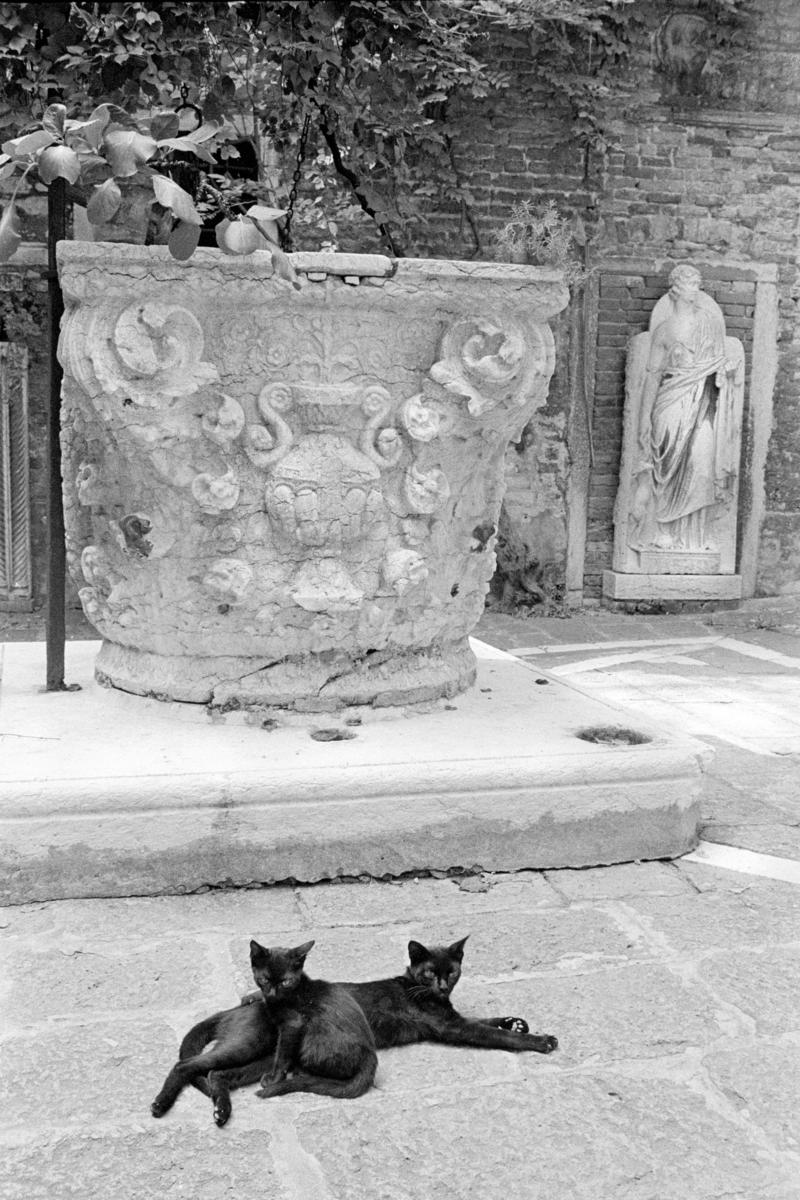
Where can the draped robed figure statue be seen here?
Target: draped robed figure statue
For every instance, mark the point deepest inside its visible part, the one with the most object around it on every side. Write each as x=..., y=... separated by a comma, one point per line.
x=676, y=508
x=688, y=439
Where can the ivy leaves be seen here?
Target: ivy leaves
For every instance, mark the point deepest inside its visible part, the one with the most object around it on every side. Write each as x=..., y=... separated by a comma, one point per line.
x=379, y=80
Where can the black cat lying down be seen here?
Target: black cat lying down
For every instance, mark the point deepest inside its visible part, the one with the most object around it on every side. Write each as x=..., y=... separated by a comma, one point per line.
x=324, y=1041
x=318, y=1032
x=414, y=1007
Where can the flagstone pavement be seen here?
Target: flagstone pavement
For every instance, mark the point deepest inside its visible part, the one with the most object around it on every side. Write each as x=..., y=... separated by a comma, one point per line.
x=672, y=988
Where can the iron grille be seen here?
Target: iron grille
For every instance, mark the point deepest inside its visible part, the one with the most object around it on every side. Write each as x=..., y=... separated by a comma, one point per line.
x=15, y=510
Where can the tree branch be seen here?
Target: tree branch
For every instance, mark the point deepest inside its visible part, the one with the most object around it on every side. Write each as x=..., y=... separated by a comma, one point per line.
x=355, y=185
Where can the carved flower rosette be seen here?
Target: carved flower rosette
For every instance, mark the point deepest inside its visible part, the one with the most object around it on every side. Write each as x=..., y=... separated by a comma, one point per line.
x=294, y=525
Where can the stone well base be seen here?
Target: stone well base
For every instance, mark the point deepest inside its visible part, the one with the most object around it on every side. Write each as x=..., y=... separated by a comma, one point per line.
x=107, y=794
x=325, y=683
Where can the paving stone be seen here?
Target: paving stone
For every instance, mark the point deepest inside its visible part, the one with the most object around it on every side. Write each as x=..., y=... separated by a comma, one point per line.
x=78, y=1075
x=628, y=1012
x=123, y=975
x=159, y=916
x=763, y=1082
x=705, y=878
x=720, y=802
x=428, y=1066
x=582, y=1138
x=776, y=839
x=763, y=985
x=508, y=942
x=725, y=662
x=755, y=917
x=770, y=779
x=146, y=1163
x=627, y=879
x=424, y=900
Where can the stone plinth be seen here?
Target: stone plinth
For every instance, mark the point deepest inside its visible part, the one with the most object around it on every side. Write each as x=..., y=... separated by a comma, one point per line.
x=288, y=497
x=107, y=794
x=618, y=585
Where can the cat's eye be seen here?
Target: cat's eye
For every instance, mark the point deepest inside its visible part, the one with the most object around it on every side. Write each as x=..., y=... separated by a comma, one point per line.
x=286, y=983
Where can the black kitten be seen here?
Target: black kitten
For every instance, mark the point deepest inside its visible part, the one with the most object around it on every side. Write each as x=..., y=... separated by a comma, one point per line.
x=325, y=1045
x=413, y=1007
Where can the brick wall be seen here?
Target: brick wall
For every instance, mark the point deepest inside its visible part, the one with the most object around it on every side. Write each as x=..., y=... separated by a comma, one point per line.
x=712, y=179
x=709, y=178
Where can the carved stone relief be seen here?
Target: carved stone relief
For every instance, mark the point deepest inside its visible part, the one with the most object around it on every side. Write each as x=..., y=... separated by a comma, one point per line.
x=287, y=497
x=676, y=508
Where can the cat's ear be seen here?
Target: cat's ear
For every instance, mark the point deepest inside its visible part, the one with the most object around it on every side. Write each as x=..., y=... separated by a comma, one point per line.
x=258, y=953
x=456, y=951
x=417, y=953
x=300, y=952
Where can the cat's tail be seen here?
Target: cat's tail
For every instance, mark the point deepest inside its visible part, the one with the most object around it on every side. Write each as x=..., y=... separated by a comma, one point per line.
x=194, y=1043
x=340, y=1089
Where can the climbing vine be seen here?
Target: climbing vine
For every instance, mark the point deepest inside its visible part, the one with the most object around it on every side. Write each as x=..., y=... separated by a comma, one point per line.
x=22, y=310
x=375, y=81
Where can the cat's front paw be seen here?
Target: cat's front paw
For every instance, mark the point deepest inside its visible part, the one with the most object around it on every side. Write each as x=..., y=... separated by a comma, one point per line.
x=547, y=1043
x=513, y=1024
x=159, y=1107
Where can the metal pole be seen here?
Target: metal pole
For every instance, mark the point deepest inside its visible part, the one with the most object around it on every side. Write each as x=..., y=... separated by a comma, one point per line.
x=56, y=551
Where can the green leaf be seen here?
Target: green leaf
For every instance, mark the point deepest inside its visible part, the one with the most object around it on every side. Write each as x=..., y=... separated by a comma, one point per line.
x=59, y=162
x=104, y=202
x=183, y=240
x=29, y=144
x=171, y=195
x=186, y=145
x=164, y=125
x=54, y=120
x=10, y=236
x=207, y=130
x=260, y=212
x=126, y=151
x=89, y=132
x=102, y=114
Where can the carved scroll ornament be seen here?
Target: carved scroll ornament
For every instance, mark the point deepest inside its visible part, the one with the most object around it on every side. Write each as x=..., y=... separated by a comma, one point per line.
x=145, y=353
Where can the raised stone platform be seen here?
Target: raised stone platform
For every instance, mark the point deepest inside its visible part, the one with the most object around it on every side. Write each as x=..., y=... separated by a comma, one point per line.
x=108, y=794
x=617, y=585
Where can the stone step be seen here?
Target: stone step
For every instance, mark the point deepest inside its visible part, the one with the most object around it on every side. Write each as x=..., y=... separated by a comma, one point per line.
x=109, y=794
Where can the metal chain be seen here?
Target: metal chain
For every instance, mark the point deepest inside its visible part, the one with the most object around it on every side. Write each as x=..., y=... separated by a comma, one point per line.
x=286, y=238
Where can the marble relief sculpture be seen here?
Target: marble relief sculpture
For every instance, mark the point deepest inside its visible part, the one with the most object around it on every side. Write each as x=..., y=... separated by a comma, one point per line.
x=676, y=507
x=271, y=495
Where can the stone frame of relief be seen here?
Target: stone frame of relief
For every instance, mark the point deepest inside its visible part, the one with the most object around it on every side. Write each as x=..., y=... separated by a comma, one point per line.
x=618, y=299
x=677, y=505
